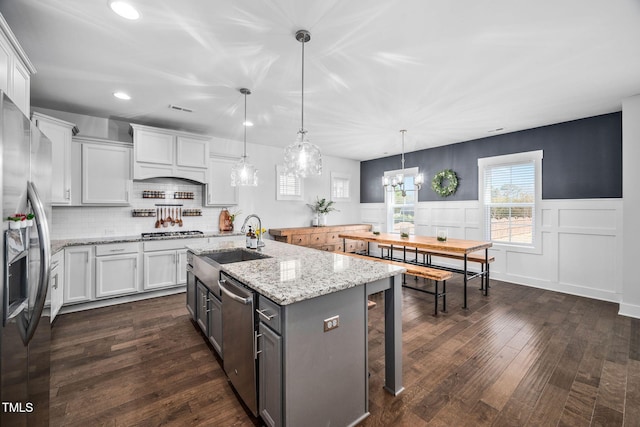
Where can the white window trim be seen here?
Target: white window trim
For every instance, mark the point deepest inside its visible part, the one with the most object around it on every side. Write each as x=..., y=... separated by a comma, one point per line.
x=340, y=176
x=279, y=196
x=536, y=157
x=388, y=194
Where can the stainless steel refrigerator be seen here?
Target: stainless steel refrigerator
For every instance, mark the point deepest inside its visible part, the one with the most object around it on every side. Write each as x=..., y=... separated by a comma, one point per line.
x=25, y=174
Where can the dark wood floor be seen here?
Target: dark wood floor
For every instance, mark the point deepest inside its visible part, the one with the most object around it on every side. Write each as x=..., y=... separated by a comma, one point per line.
x=521, y=357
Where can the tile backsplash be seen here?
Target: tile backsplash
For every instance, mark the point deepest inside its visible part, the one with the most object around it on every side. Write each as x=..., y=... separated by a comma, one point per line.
x=97, y=221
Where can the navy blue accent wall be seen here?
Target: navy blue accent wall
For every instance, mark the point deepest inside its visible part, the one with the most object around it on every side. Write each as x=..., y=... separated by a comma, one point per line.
x=582, y=160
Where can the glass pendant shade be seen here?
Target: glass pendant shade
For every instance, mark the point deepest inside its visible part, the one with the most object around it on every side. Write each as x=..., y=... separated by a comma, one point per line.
x=302, y=158
x=243, y=173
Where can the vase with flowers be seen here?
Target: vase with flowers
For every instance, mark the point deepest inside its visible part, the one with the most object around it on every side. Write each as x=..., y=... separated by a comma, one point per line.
x=321, y=208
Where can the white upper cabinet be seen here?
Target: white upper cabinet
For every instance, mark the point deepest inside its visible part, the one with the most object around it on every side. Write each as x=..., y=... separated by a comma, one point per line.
x=15, y=69
x=161, y=153
x=60, y=133
x=192, y=152
x=219, y=190
x=154, y=147
x=106, y=173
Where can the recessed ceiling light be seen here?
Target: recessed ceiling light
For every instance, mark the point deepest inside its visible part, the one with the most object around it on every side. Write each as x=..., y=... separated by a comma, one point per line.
x=121, y=95
x=124, y=9
x=248, y=123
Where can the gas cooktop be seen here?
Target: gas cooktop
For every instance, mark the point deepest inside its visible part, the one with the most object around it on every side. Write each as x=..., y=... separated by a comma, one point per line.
x=158, y=234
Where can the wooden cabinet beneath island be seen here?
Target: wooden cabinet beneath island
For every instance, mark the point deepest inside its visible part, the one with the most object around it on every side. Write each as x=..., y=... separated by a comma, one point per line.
x=323, y=238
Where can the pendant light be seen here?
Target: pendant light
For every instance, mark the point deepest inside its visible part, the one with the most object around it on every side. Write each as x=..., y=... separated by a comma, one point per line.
x=398, y=179
x=244, y=173
x=302, y=158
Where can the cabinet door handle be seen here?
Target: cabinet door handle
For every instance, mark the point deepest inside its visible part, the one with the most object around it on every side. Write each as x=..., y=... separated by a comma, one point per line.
x=55, y=282
x=68, y=194
x=263, y=314
x=256, y=335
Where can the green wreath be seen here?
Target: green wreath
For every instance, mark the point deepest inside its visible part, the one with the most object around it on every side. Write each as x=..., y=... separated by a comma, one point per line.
x=447, y=176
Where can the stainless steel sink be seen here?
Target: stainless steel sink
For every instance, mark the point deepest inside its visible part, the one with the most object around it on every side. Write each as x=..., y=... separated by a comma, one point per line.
x=234, y=255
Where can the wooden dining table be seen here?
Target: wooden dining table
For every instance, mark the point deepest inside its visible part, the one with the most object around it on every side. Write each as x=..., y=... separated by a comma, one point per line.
x=427, y=243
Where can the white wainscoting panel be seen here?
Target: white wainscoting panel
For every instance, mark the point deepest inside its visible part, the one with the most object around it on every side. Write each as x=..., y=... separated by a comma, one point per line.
x=581, y=243
x=374, y=214
x=587, y=261
x=594, y=219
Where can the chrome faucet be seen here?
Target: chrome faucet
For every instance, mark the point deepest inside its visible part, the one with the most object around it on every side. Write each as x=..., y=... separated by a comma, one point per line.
x=242, y=229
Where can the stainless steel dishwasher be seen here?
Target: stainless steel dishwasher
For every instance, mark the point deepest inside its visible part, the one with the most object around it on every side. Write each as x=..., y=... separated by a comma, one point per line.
x=239, y=337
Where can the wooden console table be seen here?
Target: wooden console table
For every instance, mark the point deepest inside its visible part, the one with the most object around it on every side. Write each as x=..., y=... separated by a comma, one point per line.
x=323, y=238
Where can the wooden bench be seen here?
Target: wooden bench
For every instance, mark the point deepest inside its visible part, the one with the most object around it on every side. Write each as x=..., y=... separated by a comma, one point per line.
x=418, y=271
x=427, y=254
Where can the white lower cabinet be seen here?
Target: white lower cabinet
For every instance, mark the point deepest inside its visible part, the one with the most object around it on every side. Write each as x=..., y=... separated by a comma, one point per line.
x=97, y=272
x=56, y=283
x=78, y=274
x=182, y=267
x=165, y=262
x=160, y=269
x=116, y=269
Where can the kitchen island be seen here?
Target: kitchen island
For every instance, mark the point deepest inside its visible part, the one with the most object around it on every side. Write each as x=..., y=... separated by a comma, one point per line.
x=309, y=374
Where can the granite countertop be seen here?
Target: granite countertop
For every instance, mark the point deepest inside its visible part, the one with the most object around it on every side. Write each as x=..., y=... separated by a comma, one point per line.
x=57, y=245
x=296, y=273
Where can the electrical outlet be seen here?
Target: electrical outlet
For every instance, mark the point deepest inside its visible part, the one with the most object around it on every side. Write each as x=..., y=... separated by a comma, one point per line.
x=109, y=232
x=331, y=323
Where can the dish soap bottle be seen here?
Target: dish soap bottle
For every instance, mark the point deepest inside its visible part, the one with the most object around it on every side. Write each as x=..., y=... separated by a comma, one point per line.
x=248, y=237
x=254, y=240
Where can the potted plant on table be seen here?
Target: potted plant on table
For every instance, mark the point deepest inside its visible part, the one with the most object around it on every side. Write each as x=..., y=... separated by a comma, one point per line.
x=321, y=208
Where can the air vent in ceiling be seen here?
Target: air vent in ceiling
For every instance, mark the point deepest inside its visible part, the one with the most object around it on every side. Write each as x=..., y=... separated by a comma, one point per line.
x=179, y=108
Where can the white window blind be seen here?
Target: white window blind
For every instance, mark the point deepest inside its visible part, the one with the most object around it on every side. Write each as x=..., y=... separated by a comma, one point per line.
x=401, y=209
x=288, y=187
x=509, y=197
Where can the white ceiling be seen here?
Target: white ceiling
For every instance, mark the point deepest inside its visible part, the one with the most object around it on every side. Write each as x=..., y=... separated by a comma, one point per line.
x=447, y=71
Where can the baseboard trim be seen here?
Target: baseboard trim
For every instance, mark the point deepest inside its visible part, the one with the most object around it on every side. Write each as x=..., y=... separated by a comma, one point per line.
x=121, y=300
x=629, y=310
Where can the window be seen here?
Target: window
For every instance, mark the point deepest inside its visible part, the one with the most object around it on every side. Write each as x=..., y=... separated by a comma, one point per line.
x=340, y=187
x=401, y=209
x=510, y=195
x=288, y=187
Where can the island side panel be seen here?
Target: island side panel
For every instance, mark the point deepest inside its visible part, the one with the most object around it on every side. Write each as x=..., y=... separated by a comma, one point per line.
x=325, y=373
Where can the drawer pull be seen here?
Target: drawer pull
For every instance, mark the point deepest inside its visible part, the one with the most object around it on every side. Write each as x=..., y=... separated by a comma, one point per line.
x=266, y=316
x=116, y=250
